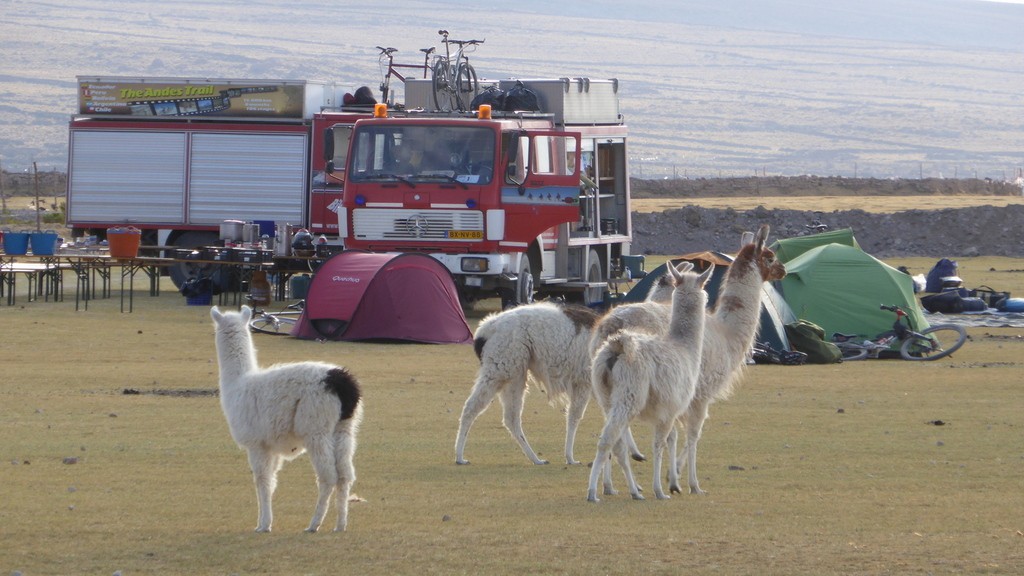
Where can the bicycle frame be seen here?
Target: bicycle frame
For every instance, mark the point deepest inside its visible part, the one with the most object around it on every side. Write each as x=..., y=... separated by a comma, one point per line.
x=393, y=68
x=452, y=74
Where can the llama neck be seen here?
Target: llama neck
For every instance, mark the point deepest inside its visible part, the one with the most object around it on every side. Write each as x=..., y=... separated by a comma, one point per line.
x=236, y=354
x=686, y=323
x=739, y=303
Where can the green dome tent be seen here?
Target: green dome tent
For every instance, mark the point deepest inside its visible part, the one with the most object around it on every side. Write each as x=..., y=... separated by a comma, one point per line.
x=840, y=288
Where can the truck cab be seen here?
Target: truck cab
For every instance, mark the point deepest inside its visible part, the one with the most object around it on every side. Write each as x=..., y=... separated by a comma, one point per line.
x=514, y=204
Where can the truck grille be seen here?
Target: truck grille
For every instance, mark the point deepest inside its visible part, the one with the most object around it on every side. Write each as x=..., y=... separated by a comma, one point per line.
x=415, y=225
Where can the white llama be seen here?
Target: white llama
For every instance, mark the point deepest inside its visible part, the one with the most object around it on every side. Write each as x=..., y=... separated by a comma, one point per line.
x=278, y=413
x=651, y=316
x=653, y=377
x=728, y=337
x=545, y=341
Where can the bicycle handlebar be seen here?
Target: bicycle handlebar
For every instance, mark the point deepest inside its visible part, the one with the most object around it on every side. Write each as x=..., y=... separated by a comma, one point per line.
x=387, y=51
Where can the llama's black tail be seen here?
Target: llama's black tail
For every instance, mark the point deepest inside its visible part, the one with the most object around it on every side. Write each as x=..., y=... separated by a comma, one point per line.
x=478, y=346
x=344, y=385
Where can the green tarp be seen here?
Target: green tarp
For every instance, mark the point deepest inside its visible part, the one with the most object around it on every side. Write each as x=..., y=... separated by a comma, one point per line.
x=787, y=249
x=840, y=288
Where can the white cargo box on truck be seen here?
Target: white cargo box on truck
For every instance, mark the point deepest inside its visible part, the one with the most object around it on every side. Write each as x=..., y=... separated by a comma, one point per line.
x=580, y=101
x=574, y=100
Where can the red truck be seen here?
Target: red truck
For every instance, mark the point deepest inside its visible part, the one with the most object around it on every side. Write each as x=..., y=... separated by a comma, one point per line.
x=513, y=203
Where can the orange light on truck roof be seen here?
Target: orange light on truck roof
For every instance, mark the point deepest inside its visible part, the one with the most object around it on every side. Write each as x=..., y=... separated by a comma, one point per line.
x=484, y=112
x=380, y=110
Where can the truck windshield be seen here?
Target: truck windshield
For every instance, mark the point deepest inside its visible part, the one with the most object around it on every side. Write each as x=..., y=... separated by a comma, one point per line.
x=422, y=153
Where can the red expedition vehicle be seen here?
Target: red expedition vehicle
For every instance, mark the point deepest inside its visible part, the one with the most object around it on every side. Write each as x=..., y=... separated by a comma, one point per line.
x=514, y=203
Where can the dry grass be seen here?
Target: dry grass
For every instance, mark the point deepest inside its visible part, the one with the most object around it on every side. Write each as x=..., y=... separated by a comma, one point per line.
x=810, y=470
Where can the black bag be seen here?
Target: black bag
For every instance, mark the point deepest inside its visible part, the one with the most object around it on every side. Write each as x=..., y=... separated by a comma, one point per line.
x=992, y=298
x=809, y=338
x=492, y=95
x=521, y=98
x=948, y=302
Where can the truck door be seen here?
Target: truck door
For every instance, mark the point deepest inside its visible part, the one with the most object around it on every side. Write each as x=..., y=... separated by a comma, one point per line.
x=542, y=181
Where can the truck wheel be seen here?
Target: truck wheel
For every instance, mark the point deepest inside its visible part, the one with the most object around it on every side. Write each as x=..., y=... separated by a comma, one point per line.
x=594, y=274
x=184, y=270
x=524, y=285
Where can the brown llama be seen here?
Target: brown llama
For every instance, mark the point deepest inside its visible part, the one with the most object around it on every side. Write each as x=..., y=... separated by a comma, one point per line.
x=729, y=334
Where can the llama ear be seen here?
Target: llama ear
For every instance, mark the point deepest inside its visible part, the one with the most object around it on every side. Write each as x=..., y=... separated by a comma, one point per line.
x=762, y=237
x=215, y=314
x=676, y=275
x=706, y=275
x=746, y=238
x=246, y=313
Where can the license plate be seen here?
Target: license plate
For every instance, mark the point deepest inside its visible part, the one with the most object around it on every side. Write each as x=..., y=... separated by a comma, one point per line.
x=466, y=234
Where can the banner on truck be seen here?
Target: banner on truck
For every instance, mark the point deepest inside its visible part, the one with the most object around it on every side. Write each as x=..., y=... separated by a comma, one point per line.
x=174, y=98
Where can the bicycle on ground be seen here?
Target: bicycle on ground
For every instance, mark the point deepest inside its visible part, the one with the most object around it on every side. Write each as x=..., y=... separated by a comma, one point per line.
x=453, y=78
x=932, y=343
x=276, y=323
x=396, y=69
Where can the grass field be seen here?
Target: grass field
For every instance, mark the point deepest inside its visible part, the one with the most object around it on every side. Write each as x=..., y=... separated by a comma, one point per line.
x=838, y=469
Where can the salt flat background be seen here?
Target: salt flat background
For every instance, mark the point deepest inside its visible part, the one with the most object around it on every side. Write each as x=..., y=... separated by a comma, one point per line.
x=908, y=88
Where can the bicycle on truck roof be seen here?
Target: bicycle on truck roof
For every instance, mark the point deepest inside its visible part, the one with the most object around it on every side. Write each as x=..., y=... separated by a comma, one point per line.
x=932, y=343
x=453, y=78
x=395, y=69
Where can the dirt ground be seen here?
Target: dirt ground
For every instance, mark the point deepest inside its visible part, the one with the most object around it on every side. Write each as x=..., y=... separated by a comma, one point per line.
x=986, y=221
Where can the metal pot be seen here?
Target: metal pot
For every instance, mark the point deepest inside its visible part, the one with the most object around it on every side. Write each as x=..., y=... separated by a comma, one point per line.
x=282, y=240
x=231, y=230
x=250, y=233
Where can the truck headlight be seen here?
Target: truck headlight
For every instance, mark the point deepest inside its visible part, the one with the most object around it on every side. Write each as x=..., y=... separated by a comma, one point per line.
x=474, y=264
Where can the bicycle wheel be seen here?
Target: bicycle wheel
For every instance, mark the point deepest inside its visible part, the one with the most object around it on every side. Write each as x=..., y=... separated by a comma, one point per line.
x=852, y=353
x=936, y=342
x=273, y=325
x=466, y=85
x=442, y=77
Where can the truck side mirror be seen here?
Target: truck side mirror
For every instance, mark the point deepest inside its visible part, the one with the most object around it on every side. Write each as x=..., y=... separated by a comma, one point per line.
x=328, y=144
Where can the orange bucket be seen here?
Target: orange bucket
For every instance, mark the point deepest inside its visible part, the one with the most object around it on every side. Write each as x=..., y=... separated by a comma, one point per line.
x=124, y=242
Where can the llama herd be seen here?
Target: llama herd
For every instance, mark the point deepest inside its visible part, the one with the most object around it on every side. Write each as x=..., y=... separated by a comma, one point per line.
x=663, y=361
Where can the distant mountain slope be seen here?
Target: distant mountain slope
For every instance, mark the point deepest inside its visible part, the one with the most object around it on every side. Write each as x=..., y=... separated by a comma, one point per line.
x=713, y=87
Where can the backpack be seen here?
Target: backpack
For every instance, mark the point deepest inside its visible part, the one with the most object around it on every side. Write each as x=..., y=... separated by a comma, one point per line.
x=943, y=269
x=809, y=338
x=519, y=97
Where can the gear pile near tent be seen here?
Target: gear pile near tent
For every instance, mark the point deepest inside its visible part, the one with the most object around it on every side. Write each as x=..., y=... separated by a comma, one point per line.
x=357, y=295
x=775, y=313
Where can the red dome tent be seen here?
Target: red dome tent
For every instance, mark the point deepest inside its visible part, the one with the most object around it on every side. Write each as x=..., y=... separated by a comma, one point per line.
x=357, y=295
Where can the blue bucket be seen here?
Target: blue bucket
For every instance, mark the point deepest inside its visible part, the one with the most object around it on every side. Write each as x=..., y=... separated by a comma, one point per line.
x=16, y=243
x=44, y=243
